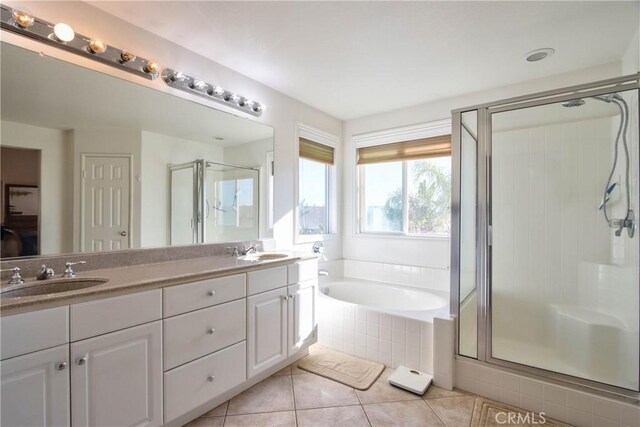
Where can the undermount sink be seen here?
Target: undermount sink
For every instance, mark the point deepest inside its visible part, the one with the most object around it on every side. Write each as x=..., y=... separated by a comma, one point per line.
x=52, y=286
x=264, y=257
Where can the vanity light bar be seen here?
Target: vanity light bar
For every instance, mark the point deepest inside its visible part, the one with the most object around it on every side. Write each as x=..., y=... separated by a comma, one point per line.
x=181, y=81
x=62, y=36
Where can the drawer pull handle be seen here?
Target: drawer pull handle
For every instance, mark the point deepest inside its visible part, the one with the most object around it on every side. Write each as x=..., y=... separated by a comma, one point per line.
x=212, y=293
x=61, y=366
x=210, y=378
x=211, y=331
x=81, y=361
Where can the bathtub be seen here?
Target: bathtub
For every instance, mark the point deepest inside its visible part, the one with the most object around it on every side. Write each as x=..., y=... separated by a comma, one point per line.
x=382, y=322
x=405, y=301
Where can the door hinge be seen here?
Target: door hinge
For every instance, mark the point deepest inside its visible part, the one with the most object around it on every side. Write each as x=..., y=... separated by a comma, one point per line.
x=490, y=235
x=84, y=174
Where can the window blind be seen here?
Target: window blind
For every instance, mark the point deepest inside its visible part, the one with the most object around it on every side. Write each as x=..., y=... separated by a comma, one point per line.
x=437, y=146
x=315, y=151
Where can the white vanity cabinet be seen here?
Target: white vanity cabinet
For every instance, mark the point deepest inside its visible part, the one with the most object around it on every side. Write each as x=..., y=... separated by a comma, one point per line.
x=301, y=315
x=267, y=330
x=116, y=379
x=35, y=389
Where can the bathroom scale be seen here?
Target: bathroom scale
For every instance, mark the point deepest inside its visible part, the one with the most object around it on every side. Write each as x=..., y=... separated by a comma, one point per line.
x=411, y=380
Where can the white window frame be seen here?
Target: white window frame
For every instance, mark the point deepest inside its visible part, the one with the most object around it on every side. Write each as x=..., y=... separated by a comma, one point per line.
x=324, y=138
x=390, y=136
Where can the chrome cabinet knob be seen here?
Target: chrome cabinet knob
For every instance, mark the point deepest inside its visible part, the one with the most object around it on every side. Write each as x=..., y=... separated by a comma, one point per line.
x=211, y=331
x=210, y=378
x=61, y=366
x=81, y=361
x=212, y=293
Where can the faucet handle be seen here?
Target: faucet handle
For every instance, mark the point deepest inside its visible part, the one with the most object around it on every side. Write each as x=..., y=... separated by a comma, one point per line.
x=233, y=250
x=68, y=272
x=16, y=278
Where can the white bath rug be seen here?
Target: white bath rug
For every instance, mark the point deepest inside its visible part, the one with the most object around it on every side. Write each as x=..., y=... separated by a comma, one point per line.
x=343, y=368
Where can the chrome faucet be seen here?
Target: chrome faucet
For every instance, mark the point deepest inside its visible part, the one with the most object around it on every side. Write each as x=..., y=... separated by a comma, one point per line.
x=245, y=250
x=16, y=278
x=45, y=273
x=68, y=272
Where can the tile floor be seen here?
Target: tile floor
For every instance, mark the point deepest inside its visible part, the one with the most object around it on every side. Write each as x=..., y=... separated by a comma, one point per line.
x=293, y=397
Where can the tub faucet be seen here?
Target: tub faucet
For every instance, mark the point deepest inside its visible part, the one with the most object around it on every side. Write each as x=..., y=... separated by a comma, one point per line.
x=318, y=248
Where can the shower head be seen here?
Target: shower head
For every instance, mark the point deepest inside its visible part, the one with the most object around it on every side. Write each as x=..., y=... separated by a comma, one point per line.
x=573, y=103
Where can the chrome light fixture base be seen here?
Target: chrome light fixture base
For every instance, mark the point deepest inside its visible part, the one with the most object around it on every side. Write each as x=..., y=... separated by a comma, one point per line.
x=79, y=44
x=185, y=83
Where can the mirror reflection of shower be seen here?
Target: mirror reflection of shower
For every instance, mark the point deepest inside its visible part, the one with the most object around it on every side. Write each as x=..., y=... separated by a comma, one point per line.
x=628, y=221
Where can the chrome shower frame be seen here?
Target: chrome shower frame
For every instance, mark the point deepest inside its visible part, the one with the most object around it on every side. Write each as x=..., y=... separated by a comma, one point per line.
x=484, y=221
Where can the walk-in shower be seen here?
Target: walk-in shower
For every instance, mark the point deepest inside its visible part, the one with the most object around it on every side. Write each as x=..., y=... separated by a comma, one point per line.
x=546, y=258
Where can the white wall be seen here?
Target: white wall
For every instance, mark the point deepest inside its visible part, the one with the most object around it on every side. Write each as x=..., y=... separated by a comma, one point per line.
x=56, y=197
x=281, y=113
x=157, y=153
x=424, y=252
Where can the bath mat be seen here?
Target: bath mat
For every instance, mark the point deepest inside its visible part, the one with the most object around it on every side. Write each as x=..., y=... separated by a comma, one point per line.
x=343, y=368
x=487, y=413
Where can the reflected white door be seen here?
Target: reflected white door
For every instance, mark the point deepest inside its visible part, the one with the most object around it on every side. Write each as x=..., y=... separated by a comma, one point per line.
x=105, y=203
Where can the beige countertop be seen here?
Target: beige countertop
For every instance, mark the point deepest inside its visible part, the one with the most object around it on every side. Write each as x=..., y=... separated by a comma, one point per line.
x=137, y=278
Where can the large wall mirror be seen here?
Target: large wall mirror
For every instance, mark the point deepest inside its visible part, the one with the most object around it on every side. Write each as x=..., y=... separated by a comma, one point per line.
x=93, y=163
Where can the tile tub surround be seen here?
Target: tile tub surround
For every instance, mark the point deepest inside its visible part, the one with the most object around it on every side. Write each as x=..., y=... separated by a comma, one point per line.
x=136, y=278
x=380, y=337
x=407, y=275
x=293, y=397
x=562, y=403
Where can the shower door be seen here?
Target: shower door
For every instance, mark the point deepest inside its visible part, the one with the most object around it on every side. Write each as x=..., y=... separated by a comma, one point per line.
x=184, y=206
x=562, y=265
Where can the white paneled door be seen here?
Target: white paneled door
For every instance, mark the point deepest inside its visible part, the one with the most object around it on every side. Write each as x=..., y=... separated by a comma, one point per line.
x=105, y=202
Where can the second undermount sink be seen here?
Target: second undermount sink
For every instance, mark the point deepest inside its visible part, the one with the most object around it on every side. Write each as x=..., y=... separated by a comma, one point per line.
x=269, y=256
x=51, y=286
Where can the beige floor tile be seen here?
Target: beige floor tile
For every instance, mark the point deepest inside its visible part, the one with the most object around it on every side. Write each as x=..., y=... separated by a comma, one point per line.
x=297, y=371
x=314, y=391
x=406, y=414
x=435, y=392
x=285, y=371
x=344, y=416
x=453, y=411
x=218, y=411
x=269, y=419
x=271, y=395
x=206, y=422
x=381, y=391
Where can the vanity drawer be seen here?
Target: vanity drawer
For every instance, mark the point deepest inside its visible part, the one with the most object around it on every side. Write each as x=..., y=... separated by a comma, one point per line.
x=92, y=318
x=28, y=332
x=266, y=280
x=302, y=271
x=195, y=334
x=192, y=296
x=200, y=381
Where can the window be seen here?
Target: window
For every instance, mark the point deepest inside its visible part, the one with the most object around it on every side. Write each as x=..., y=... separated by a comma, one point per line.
x=405, y=188
x=314, y=188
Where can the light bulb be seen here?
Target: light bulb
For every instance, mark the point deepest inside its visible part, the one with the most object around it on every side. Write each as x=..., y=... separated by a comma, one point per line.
x=218, y=90
x=22, y=18
x=246, y=103
x=234, y=97
x=63, y=32
x=97, y=46
x=127, y=56
x=152, y=67
x=258, y=107
x=199, y=84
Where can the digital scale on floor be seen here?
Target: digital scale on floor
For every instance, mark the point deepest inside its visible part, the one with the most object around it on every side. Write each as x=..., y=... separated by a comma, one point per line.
x=411, y=380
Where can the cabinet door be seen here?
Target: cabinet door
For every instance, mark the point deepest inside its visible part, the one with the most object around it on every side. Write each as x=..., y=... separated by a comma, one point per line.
x=35, y=389
x=302, y=317
x=116, y=379
x=267, y=330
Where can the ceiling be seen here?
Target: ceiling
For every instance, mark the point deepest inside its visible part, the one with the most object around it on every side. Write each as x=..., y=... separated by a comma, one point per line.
x=82, y=98
x=352, y=59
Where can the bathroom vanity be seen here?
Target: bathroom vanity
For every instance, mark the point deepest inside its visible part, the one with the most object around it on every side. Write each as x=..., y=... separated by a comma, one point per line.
x=157, y=343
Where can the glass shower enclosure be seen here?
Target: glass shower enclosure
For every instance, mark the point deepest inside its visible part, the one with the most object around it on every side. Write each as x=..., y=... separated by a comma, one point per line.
x=546, y=248
x=213, y=202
